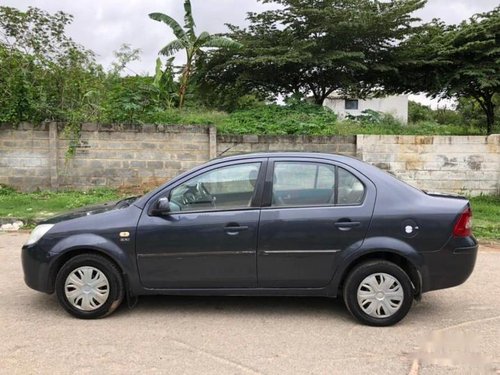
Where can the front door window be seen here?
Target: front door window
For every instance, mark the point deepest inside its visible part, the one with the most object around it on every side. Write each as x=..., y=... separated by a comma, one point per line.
x=226, y=188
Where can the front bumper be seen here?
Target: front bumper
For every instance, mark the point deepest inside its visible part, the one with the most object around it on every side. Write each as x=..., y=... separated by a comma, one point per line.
x=36, y=267
x=450, y=266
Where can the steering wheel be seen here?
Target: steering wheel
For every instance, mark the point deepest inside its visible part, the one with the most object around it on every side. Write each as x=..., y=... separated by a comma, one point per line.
x=201, y=189
x=197, y=193
x=205, y=194
x=188, y=197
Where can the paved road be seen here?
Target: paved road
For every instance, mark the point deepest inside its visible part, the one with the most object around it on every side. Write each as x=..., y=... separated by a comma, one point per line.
x=452, y=331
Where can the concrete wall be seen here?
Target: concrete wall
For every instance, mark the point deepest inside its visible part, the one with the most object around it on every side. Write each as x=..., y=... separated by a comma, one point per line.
x=461, y=164
x=107, y=155
x=395, y=105
x=236, y=144
x=24, y=156
x=33, y=157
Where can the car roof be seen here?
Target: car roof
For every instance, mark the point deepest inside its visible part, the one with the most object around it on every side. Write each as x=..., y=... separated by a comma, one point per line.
x=377, y=176
x=281, y=154
x=349, y=160
x=269, y=154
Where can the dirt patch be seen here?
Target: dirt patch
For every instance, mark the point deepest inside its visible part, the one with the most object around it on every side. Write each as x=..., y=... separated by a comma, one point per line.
x=490, y=247
x=143, y=188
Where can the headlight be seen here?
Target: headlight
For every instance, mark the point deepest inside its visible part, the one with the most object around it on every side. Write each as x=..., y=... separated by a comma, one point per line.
x=38, y=233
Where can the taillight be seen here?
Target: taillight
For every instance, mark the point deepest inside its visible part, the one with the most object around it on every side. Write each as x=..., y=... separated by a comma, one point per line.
x=464, y=224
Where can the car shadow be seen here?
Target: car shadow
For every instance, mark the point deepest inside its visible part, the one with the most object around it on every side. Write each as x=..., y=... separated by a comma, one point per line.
x=240, y=305
x=303, y=307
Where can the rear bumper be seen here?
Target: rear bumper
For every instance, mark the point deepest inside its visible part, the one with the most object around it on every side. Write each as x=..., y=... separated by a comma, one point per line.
x=36, y=270
x=450, y=266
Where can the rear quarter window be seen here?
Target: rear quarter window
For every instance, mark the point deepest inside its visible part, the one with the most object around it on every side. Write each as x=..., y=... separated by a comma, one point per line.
x=351, y=190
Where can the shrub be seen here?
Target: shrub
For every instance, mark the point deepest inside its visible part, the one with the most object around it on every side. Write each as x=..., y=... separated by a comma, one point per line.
x=300, y=118
x=418, y=112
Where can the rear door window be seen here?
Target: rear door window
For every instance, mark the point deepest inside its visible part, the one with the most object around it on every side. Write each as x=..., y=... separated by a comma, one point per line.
x=312, y=184
x=303, y=184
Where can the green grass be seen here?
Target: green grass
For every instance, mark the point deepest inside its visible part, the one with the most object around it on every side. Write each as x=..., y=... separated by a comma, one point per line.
x=486, y=217
x=32, y=207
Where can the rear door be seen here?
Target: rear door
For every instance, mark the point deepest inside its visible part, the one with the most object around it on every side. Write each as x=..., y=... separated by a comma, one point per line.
x=313, y=210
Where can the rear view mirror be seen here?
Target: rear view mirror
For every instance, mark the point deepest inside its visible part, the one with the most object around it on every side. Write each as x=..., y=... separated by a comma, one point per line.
x=161, y=207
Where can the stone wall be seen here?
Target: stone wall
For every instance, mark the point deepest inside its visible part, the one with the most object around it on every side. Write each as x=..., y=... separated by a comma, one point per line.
x=236, y=144
x=461, y=164
x=24, y=156
x=106, y=155
x=34, y=157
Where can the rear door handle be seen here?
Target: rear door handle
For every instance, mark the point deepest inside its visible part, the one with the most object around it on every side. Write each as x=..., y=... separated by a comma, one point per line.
x=235, y=229
x=347, y=225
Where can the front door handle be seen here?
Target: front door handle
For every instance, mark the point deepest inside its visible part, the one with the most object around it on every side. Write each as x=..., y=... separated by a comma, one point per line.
x=233, y=229
x=347, y=225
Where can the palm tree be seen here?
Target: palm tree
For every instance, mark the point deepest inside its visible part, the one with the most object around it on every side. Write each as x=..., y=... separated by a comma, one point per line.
x=192, y=44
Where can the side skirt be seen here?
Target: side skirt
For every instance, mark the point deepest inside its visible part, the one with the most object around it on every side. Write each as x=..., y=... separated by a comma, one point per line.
x=297, y=292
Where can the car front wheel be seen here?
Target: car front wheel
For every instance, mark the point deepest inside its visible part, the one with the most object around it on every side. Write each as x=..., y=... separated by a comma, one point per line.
x=89, y=286
x=378, y=293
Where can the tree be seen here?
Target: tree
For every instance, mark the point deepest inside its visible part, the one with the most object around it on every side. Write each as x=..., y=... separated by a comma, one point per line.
x=457, y=61
x=190, y=42
x=44, y=74
x=472, y=113
x=123, y=57
x=316, y=47
x=473, y=48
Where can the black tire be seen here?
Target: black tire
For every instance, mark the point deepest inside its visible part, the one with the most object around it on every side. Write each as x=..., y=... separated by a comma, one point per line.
x=115, y=286
x=364, y=270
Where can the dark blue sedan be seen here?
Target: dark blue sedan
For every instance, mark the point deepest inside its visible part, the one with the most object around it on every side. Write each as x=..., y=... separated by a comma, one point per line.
x=274, y=224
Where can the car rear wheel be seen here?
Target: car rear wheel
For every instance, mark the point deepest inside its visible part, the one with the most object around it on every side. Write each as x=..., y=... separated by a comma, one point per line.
x=378, y=293
x=89, y=286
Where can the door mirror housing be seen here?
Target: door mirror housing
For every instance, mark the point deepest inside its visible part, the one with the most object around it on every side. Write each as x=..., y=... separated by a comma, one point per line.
x=161, y=207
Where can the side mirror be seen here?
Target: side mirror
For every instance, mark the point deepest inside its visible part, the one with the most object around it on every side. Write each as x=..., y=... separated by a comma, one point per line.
x=161, y=207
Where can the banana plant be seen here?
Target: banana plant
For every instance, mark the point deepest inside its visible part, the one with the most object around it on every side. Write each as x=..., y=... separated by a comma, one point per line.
x=190, y=42
x=164, y=82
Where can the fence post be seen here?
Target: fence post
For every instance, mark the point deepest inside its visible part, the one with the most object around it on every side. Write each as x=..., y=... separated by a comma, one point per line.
x=53, y=145
x=212, y=142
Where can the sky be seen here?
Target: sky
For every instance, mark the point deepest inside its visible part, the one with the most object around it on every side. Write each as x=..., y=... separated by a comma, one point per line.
x=103, y=26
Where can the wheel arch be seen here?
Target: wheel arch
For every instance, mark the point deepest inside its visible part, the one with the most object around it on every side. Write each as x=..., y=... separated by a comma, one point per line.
x=71, y=253
x=402, y=260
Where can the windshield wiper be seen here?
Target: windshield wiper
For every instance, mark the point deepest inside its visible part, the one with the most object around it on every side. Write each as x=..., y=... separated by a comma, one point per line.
x=125, y=202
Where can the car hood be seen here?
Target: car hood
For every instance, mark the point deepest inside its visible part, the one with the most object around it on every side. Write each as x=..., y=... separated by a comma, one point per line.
x=90, y=210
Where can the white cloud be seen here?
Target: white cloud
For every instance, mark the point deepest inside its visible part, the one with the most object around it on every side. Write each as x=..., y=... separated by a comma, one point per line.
x=104, y=26
x=455, y=11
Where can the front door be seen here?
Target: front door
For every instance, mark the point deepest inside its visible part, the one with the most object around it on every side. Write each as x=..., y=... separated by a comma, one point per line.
x=209, y=239
x=316, y=209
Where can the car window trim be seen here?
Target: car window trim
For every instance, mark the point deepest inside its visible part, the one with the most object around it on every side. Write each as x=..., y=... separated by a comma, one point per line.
x=216, y=210
x=314, y=206
x=336, y=188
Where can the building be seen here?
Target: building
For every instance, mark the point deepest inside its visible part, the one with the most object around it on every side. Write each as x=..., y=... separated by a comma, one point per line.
x=396, y=105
